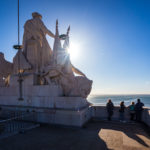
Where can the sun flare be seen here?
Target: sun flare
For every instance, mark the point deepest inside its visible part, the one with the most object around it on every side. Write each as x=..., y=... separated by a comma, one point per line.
x=74, y=50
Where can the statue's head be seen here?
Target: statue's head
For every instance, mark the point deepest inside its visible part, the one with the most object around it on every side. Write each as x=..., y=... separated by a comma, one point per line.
x=36, y=15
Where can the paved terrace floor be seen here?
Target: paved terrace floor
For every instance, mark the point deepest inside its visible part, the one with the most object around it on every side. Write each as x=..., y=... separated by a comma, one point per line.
x=99, y=135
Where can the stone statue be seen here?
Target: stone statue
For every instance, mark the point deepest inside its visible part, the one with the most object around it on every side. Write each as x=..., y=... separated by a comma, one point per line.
x=39, y=65
x=35, y=46
x=6, y=68
x=20, y=63
x=63, y=71
x=44, y=80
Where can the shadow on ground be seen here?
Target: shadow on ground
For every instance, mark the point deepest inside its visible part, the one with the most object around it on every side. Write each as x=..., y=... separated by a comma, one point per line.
x=95, y=136
x=133, y=131
x=124, y=135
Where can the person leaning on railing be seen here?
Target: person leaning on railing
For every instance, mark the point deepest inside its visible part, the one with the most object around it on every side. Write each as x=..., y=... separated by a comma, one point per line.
x=139, y=109
x=110, y=108
x=121, y=111
x=132, y=111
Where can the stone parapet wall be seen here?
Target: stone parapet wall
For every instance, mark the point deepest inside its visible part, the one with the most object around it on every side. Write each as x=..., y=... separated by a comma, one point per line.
x=146, y=116
x=101, y=113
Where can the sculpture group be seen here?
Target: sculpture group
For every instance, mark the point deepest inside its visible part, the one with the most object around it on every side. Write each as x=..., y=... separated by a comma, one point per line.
x=49, y=67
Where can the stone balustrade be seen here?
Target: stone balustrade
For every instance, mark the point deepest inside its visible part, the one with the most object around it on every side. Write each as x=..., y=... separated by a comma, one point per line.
x=101, y=113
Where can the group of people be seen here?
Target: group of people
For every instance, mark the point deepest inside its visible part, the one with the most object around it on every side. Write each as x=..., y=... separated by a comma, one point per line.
x=135, y=110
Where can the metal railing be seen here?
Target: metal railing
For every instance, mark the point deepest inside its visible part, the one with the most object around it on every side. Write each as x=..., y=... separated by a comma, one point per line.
x=13, y=122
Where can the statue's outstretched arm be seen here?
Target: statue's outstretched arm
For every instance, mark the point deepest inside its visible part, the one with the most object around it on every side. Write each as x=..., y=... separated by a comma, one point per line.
x=43, y=27
x=77, y=71
x=50, y=33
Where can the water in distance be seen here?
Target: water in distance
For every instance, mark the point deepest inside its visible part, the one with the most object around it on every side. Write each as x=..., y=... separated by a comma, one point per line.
x=102, y=99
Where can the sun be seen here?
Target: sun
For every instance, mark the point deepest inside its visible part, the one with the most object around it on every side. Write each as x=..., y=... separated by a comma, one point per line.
x=74, y=50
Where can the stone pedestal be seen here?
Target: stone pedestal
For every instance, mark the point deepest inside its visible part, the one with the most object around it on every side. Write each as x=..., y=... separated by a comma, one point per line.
x=48, y=104
x=2, y=83
x=28, y=79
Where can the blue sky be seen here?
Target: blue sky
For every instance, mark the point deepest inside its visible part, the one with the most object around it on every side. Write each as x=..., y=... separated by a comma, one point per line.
x=112, y=37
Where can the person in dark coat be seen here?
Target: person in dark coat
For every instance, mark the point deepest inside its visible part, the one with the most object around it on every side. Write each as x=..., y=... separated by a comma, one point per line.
x=121, y=111
x=110, y=107
x=138, y=109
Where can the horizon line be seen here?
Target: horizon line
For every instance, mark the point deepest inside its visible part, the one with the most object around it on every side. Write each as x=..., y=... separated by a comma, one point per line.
x=118, y=94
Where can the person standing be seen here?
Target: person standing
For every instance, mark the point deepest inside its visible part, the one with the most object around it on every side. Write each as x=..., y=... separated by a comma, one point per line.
x=139, y=108
x=132, y=111
x=109, y=107
x=121, y=111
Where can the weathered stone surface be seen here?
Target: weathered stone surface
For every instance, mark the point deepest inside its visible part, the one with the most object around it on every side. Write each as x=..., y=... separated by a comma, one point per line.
x=45, y=79
x=146, y=116
x=37, y=64
x=20, y=63
x=35, y=45
x=71, y=85
x=45, y=90
x=6, y=68
x=51, y=110
x=2, y=82
x=75, y=103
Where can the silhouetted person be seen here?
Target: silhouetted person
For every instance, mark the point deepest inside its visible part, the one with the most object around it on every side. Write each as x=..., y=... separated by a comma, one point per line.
x=139, y=109
x=132, y=111
x=110, y=107
x=121, y=111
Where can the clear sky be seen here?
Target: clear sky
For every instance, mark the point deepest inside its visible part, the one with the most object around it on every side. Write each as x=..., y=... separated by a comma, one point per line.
x=112, y=38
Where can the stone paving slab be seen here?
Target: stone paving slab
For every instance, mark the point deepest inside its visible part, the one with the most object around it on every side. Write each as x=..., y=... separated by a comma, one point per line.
x=95, y=136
